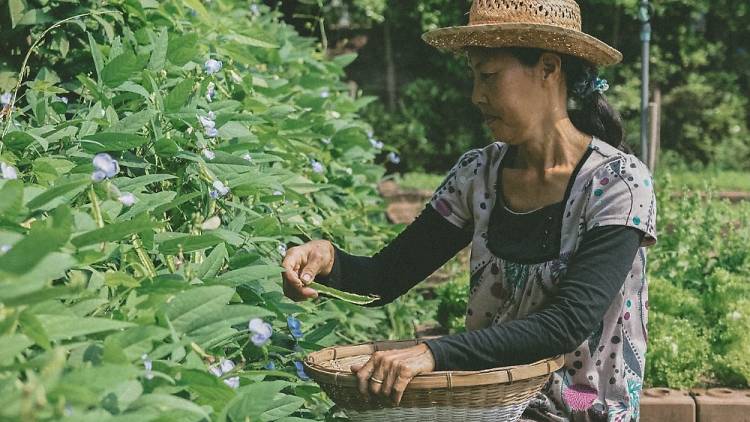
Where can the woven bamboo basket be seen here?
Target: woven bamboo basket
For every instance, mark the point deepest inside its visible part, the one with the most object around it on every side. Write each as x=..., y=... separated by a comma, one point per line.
x=498, y=394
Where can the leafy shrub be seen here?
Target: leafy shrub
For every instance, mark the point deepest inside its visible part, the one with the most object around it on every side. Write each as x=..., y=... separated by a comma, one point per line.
x=677, y=352
x=154, y=172
x=698, y=275
x=451, y=311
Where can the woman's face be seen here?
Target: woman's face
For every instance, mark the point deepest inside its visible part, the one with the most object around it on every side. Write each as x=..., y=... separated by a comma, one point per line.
x=512, y=97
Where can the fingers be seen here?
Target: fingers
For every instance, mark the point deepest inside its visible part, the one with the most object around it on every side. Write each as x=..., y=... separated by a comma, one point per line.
x=394, y=368
x=363, y=376
x=405, y=374
x=294, y=287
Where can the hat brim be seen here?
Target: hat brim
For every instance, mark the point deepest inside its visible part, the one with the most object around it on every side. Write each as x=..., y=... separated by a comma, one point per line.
x=546, y=37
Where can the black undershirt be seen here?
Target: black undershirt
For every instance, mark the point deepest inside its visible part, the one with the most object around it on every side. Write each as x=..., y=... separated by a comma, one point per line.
x=595, y=274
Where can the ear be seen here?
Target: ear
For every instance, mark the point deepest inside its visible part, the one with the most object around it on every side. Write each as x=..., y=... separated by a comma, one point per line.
x=551, y=65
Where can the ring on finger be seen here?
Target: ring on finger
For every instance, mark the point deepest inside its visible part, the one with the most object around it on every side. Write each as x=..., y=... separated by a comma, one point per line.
x=373, y=379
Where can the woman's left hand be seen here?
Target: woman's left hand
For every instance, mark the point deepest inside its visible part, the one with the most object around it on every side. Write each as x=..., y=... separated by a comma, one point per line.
x=395, y=368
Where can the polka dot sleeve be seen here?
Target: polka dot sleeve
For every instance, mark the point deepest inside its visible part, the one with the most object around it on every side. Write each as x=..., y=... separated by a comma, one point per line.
x=621, y=192
x=452, y=199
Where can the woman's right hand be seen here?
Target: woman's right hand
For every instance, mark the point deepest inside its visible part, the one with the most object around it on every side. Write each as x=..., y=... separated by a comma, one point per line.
x=302, y=263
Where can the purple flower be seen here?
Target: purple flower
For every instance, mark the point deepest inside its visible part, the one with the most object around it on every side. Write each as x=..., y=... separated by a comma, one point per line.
x=325, y=94
x=8, y=171
x=316, y=166
x=127, y=199
x=301, y=371
x=212, y=66
x=393, y=157
x=148, y=366
x=210, y=92
x=104, y=167
x=282, y=249
x=212, y=132
x=270, y=365
x=233, y=382
x=206, y=122
x=375, y=143
x=6, y=98
x=225, y=366
x=294, y=326
x=219, y=189
x=255, y=9
x=210, y=155
x=261, y=331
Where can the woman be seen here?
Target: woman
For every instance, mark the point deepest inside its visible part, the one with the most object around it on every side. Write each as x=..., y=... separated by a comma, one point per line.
x=558, y=211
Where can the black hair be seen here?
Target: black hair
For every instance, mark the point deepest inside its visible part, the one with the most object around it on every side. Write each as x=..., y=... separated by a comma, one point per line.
x=592, y=113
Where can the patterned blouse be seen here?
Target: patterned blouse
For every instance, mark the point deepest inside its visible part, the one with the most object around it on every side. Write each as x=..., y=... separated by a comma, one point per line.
x=610, y=187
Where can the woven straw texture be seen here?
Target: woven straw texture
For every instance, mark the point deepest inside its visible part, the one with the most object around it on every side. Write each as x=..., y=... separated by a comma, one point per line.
x=553, y=25
x=499, y=394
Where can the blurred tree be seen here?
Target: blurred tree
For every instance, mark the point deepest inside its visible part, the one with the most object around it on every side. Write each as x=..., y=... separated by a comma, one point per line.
x=699, y=61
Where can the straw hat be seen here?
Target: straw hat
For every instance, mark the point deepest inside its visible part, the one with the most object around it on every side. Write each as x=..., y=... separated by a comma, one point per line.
x=553, y=25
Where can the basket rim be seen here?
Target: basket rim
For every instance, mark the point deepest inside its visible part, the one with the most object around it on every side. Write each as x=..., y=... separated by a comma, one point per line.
x=431, y=380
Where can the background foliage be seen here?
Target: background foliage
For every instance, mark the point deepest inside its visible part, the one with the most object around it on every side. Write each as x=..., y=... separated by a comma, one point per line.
x=699, y=62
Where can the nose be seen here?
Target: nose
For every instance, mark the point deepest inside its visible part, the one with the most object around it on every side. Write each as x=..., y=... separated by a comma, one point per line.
x=477, y=94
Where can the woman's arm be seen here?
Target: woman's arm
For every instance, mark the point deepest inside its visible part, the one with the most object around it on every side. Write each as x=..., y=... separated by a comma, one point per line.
x=594, y=276
x=421, y=248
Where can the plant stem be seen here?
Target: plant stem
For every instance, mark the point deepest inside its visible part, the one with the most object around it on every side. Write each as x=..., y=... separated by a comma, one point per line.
x=145, y=260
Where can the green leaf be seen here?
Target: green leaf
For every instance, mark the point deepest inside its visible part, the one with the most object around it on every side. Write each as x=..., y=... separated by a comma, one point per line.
x=253, y=400
x=136, y=183
x=321, y=332
x=252, y=42
x=198, y=7
x=188, y=243
x=112, y=141
x=119, y=69
x=43, y=239
x=18, y=140
x=182, y=49
x=133, y=123
x=65, y=189
x=61, y=327
x=11, y=346
x=159, y=52
x=146, y=203
x=210, y=327
x=16, y=9
x=34, y=329
x=208, y=388
x=178, y=96
x=281, y=407
x=187, y=310
x=166, y=402
x=136, y=341
x=344, y=60
x=116, y=279
x=246, y=274
x=113, y=232
x=11, y=199
x=213, y=263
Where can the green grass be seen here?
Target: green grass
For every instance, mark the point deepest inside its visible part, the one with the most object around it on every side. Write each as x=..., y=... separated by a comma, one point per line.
x=722, y=180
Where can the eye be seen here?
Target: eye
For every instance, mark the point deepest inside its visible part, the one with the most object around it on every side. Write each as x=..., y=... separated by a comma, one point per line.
x=486, y=75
